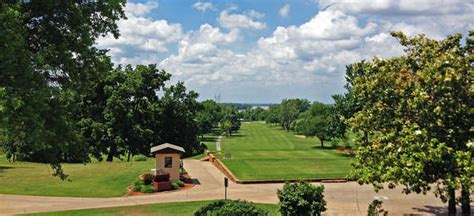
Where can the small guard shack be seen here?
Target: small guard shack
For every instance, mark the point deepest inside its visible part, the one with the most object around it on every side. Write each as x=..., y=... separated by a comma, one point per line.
x=168, y=159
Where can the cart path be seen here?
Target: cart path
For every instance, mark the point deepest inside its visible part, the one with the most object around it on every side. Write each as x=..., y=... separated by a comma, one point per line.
x=218, y=143
x=342, y=198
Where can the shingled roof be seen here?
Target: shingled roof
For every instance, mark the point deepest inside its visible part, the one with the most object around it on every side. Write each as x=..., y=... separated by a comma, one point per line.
x=166, y=146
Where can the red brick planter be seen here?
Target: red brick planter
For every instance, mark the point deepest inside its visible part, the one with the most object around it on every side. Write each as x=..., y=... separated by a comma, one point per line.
x=162, y=186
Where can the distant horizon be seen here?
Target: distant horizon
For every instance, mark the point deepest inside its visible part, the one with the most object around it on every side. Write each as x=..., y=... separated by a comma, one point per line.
x=248, y=51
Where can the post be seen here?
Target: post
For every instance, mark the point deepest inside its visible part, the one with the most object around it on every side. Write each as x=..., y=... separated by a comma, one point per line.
x=226, y=184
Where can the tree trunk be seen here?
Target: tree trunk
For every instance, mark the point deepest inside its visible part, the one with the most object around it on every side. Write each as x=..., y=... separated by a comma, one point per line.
x=465, y=200
x=112, y=152
x=451, y=202
x=322, y=143
x=128, y=156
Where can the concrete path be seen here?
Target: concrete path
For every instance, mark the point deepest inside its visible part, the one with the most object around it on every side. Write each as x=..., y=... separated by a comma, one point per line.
x=218, y=143
x=342, y=198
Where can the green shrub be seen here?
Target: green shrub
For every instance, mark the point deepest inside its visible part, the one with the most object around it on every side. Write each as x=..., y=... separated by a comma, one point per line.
x=174, y=185
x=148, y=178
x=137, y=188
x=147, y=189
x=375, y=209
x=138, y=182
x=179, y=183
x=231, y=208
x=140, y=158
x=301, y=198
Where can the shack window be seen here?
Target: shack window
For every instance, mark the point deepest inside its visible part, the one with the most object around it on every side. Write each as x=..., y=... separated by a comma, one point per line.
x=168, y=162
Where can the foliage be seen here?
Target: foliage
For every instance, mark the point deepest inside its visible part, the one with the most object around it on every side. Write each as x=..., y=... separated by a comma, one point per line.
x=175, y=185
x=231, y=208
x=148, y=189
x=177, y=111
x=417, y=109
x=289, y=110
x=273, y=115
x=148, y=178
x=138, y=188
x=257, y=114
x=179, y=183
x=230, y=121
x=301, y=198
x=138, y=182
x=208, y=116
x=49, y=67
x=316, y=122
x=375, y=209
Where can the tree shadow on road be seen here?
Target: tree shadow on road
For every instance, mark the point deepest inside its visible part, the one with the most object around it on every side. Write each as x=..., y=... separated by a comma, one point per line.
x=436, y=210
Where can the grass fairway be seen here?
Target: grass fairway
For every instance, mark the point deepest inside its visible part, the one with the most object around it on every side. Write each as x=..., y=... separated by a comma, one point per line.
x=262, y=152
x=163, y=209
x=97, y=179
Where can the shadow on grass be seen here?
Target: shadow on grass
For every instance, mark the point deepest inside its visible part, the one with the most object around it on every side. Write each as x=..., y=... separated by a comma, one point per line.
x=208, y=139
x=334, y=148
x=5, y=168
x=325, y=147
x=235, y=135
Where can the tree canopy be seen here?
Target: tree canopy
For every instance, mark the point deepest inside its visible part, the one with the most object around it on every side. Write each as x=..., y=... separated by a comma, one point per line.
x=49, y=66
x=316, y=121
x=417, y=109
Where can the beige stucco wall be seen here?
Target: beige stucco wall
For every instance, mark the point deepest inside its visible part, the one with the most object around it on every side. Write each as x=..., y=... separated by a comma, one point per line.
x=174, y=170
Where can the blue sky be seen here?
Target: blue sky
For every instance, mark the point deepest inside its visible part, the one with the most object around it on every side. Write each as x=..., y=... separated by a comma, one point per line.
x=265, y=51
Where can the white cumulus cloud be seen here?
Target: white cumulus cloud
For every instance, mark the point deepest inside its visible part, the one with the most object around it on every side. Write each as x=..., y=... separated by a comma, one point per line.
x=203, y=6
x=240, y=21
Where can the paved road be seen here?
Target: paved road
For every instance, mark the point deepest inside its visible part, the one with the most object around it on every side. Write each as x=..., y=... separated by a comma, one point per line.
x=342, y=198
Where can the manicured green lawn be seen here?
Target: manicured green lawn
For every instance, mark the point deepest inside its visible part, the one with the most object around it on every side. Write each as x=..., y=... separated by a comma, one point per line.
x=263, y=152
x=163, y=209
x=97, y=179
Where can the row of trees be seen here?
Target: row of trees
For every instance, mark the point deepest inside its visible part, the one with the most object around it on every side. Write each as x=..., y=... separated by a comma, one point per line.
x=310, y=119
x=212, y=115
x=62, y=100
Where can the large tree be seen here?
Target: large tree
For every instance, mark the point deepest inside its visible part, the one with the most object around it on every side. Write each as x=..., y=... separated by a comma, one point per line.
x=209, y=115
x=417, y=109
x=49, y=67
x=290, y=109
x=316, y=121
x=177, y=113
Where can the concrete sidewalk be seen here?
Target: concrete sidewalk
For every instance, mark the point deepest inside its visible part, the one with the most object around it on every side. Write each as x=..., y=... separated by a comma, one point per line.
x=342, y=198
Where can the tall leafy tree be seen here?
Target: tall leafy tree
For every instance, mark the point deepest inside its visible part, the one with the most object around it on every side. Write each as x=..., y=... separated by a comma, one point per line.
x=177, y=113
x=316, y=121
x=418, y=111
x=290, y=109
x=231, y=120
x=131, y=104
x=209, y=116
x=49, y=65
